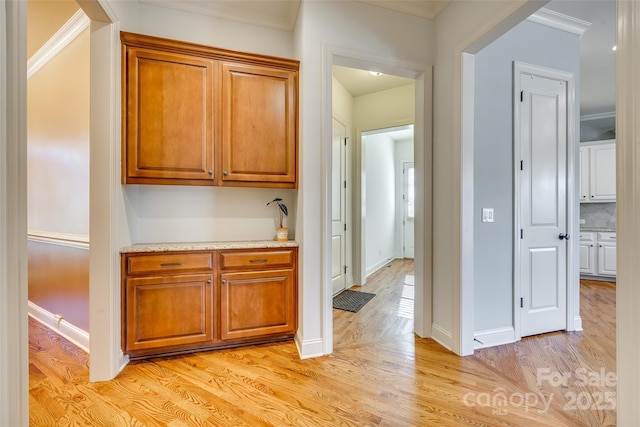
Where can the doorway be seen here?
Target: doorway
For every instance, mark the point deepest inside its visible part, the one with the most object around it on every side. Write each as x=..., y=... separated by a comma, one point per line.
x=408, y=208
x=421, y=104
x=386, y=156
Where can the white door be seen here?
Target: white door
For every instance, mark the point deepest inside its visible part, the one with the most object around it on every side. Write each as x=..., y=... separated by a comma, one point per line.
x=408, y=222
x=543, y=204
x=338, y=207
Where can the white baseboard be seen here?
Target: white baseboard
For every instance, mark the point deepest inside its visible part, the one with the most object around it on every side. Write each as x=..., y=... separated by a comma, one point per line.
x=577, y=323
x=309, y=349
x=60, y=326
x=124, y=361
x=441, y=336
x=378, y=265
x=494, y=337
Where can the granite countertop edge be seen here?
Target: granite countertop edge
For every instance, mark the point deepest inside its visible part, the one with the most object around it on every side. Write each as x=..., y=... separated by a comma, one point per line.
x=206, y=246
x=595, y=229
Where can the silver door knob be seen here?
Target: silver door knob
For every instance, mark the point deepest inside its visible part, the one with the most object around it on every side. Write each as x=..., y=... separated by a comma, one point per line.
x=564, y=236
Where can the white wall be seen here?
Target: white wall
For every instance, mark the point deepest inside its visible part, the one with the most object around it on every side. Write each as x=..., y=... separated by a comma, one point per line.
x=200, y=213
x=345, y=26
x=379, y=176
x=462, y=26
x=531, y=43
x=58, y=142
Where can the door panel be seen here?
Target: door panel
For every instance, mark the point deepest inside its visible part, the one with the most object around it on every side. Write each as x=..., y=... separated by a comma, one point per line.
x=543, y=205
x=338, y=207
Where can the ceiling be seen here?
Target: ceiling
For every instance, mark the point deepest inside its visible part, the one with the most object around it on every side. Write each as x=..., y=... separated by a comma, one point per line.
x=361, y=82
x=597, y=60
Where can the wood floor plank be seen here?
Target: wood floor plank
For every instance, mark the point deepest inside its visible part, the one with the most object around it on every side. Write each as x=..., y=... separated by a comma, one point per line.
x=380, y=374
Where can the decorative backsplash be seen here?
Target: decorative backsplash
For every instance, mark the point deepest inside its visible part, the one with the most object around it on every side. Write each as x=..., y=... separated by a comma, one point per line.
x=598, y=215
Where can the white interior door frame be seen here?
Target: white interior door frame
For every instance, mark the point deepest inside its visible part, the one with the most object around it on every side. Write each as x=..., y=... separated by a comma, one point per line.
x=573, y=284
x=423, y=75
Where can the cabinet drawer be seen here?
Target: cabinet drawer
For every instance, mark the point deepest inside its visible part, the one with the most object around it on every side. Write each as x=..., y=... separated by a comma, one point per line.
x=586, y=237
x=256, y=259
x=169, y=263
x=606, y=237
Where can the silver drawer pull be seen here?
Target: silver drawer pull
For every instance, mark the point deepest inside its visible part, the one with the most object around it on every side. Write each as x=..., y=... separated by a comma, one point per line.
x=171, y=264
x=258, y=260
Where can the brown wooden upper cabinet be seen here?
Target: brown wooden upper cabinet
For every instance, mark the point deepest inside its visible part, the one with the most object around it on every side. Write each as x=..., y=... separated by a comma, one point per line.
x=197, y=115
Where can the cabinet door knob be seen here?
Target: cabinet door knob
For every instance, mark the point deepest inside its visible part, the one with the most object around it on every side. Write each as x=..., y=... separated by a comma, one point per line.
x=210, y=172
x=225, y=173
x=224, y=281
x=209, y=281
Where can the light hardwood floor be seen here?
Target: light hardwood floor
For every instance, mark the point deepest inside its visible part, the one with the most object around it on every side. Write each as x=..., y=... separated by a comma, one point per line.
x=379, y=374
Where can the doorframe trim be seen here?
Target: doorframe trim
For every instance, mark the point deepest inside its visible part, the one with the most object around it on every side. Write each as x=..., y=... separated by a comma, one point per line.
x=573, y=284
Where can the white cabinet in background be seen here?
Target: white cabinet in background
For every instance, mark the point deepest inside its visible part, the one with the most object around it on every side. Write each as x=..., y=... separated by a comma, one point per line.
x=606, y=254
x=584, y=174
x=587, y=253
x=597, y=254
x=598, y=172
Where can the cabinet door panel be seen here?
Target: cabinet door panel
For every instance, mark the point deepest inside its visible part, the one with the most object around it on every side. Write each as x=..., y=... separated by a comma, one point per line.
x=607, y=259
x=169, y=120
x=259, y=115
x=255, y=304
x=602, y=172
x=168, y=311
x=587, y=258
x=584, y=174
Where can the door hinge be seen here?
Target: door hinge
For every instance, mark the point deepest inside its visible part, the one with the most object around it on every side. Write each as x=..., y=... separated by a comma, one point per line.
x=345, y=227
x=345, y=269
x=521, y=165
x=521, y=96
x=345, y=184
x=521, y=302
x=521, y=233
x=345, y=140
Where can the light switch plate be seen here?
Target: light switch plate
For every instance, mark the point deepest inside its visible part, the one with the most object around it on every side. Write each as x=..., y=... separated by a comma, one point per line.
x=487, y=214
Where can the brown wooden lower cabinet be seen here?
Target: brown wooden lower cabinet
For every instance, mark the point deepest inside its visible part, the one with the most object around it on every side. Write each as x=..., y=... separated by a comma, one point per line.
x=256, y=303
x=169, y=311
x=175, y=302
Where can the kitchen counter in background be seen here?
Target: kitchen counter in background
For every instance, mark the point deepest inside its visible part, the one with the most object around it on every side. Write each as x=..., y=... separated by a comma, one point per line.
x=598, y=216
x=598, y=229
x=206, y=246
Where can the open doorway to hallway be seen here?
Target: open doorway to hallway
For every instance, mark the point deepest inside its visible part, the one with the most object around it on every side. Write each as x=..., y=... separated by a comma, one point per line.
x=372, y=197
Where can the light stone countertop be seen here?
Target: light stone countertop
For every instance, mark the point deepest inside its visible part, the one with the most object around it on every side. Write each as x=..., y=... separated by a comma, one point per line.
x=596, y=229
x=207, y=246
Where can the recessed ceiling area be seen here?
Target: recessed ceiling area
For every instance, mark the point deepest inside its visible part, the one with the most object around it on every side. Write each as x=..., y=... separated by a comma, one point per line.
x=361, y=82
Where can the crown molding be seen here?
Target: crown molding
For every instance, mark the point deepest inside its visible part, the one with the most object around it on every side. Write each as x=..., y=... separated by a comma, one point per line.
x=560, y=21
x=280, y=16
x=61, y=39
